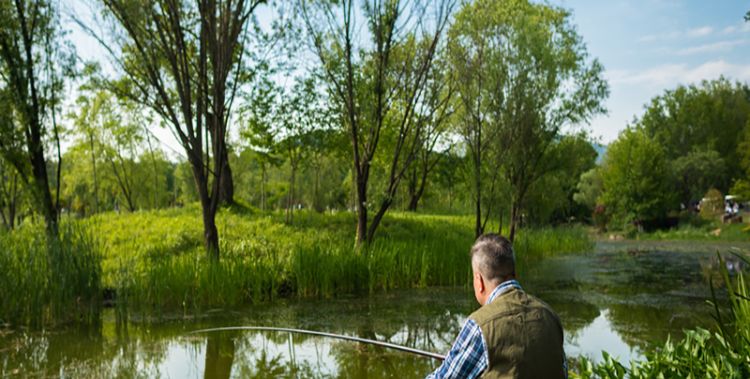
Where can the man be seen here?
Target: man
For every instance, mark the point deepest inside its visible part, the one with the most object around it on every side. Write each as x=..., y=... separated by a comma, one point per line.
x=513, y=334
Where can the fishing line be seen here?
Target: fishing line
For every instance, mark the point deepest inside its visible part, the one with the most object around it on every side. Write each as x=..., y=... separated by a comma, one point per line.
x=328, y=335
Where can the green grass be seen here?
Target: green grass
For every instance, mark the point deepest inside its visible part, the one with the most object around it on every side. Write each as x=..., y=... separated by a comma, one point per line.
x=706, y=232
x=156, y=265
x=155, y=259
x=49, y=281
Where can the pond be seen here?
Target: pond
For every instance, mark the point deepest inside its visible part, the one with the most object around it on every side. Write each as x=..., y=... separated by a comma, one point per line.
x=625, y=297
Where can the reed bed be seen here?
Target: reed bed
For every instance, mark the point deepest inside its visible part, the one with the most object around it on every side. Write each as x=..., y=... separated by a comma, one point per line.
x=48, y=281
x=152, y=263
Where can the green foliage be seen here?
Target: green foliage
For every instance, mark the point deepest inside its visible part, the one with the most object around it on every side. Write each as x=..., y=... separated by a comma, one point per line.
x=589, y=188
x=712, y=205
x=154, y=261
x=523, y=75
x=696, y=172
x=741, y=189
x=551, y=198
x=700, y=354
x=47, y=281
x=637, y=179
x=701, y=118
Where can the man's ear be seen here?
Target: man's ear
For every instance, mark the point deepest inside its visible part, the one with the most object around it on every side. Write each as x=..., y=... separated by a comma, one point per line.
x=482, y=284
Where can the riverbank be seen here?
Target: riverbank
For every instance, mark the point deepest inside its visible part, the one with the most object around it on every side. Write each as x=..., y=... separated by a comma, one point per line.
x=153, y=263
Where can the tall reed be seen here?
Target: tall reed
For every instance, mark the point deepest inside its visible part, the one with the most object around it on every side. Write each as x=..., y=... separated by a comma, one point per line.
x=47, y=281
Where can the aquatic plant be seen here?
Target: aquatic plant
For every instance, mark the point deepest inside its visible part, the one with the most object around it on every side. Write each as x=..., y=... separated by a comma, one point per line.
x=724, y=353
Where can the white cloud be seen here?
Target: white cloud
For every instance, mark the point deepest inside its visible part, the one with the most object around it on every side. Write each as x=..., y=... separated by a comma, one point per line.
x=711, y=47
x=740, y=28
x=700, y=32
x=672, y=74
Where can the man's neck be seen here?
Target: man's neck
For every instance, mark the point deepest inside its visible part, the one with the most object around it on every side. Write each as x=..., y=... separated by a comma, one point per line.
x=501, y=288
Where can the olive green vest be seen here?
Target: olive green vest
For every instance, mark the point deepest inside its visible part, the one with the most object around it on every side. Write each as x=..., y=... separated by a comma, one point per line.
x=524, y=337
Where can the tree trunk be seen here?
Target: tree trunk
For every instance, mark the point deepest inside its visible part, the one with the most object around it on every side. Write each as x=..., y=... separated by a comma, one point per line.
x=361, y=210
x=290, y=199
x=226, y=186
x=210, y=232
x=93, y=166
x=412, y=189
x=513, y=220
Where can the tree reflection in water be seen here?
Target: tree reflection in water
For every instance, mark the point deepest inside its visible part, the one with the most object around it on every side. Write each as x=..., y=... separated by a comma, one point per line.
x=635, y=296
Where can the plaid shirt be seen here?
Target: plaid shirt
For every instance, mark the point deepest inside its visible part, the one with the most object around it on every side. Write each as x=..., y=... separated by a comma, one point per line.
x=468, y=357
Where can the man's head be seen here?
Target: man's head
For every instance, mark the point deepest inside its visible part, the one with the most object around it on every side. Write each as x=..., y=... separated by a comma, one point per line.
x=492, y=262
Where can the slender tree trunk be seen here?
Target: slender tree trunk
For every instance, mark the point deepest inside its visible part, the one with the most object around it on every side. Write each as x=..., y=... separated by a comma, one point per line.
x=316, y=190
x=290, y=198
x=411, y=186
x=226, y=191
x=513, y=220
x=210, y=232
x=156, y=171
x=13, y=202
x=361, y=210
x=93, y=165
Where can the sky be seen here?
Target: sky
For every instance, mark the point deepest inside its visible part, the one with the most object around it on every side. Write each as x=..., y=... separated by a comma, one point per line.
x=646, y=47
x=650, y=46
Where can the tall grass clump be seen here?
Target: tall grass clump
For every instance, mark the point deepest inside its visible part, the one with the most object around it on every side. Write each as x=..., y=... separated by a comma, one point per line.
x=48, y=281
x=724, y=353
x=155, y=261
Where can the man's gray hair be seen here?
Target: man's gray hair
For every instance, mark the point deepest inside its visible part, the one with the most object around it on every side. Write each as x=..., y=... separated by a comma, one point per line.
x=492, y=255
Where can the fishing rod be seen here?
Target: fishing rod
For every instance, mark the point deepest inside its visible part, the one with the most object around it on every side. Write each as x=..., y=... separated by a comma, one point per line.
x=328, y=335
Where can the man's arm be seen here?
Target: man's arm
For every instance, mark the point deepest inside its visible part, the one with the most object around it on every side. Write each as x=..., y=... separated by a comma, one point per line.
x=468, y=356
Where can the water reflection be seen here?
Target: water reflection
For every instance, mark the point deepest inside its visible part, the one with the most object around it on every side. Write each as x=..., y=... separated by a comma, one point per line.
x=624, y=301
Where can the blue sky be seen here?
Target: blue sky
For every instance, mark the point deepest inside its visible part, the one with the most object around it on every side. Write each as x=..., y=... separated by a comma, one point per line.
x=649, y=46
x=646, y=47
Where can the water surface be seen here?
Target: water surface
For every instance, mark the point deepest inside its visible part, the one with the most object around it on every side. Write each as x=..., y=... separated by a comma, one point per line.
x=623, y=298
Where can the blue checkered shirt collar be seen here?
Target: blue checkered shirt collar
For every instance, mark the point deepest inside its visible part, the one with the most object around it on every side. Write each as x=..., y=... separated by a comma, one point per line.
x=502, y=288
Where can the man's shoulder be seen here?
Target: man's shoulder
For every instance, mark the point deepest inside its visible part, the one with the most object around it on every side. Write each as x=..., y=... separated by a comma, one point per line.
x=512, y=302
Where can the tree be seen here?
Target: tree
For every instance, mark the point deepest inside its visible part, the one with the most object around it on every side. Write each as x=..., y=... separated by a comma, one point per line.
x=299, y=117
x=183, y=60
x=706, y=117
x=589, y=188
x=551, y=198
x=258, y=117
x=366, y=80
x=431, y=126
x=636, y=177
x=696, y=172
x=33, y=63
x=523, y=74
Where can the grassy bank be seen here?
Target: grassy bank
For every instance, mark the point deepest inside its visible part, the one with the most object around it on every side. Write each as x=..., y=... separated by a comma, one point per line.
x=155, y=263
x=156, y=259
x=47, y=281
x=713, y=231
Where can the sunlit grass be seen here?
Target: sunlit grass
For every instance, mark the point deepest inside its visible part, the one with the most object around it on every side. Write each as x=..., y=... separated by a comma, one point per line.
x=155, y=259
x=47, y=281
x=153, y=263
